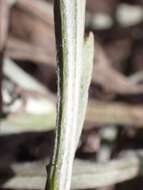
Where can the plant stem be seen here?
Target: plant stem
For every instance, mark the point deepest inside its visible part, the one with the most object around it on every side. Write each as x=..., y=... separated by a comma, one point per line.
x=69, y=27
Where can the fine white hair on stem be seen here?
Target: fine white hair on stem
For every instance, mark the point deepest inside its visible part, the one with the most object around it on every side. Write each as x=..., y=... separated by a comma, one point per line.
x=69, y=29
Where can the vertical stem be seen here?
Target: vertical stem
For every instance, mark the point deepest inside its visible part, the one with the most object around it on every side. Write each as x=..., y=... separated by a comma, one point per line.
x=69, y=27
x=74, y=69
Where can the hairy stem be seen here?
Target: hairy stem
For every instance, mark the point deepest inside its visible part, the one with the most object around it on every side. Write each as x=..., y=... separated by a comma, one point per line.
x=69, y=27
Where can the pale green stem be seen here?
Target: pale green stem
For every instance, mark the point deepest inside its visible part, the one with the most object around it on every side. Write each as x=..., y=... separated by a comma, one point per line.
x=69, y=25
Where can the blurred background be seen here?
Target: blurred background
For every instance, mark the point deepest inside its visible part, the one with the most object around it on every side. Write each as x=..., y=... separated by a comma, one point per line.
x=110, y=151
